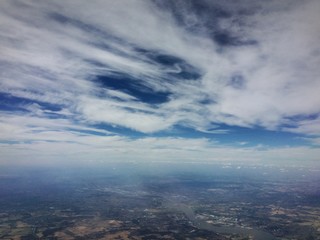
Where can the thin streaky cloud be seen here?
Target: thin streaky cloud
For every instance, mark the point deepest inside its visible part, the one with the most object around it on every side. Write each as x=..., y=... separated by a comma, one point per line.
x=151, y=68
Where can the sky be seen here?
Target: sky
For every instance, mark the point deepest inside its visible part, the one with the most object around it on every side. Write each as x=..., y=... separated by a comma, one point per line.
x=159, y=80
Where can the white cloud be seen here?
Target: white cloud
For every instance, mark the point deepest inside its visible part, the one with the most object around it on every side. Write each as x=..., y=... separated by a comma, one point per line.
x=97, y=110
x=309, y=127
x=52, y=60
x=282, y=77
x=61, y=147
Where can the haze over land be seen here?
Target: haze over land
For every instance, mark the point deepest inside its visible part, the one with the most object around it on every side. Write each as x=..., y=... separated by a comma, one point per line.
x=186, y=81
x=159, y=119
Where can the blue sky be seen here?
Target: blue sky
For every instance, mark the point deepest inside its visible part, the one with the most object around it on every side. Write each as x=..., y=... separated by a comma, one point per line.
x=187, y=81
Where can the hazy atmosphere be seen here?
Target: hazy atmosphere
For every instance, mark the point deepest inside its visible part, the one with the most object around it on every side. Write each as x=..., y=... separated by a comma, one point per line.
x=159, y=119
x=186, y=81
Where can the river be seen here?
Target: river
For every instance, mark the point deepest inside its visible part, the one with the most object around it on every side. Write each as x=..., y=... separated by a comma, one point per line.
x=202, y=224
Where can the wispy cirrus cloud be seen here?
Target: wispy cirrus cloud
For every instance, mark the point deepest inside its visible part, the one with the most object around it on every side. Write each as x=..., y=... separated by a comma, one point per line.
x=151, y=66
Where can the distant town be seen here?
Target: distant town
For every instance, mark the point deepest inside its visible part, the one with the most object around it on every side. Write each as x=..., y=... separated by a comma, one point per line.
x=175, y=206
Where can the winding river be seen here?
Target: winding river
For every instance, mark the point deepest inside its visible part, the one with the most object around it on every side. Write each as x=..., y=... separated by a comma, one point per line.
x=202, y=224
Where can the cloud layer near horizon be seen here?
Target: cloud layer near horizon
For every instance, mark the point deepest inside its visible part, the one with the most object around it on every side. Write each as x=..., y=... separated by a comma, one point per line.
x=150, y=66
